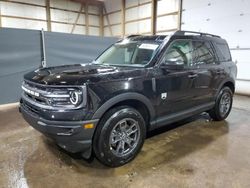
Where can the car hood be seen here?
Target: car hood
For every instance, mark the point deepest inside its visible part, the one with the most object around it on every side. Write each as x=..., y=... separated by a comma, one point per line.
x=80, y=74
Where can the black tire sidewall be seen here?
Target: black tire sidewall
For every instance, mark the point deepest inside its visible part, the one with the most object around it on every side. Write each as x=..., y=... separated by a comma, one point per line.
x=102, y=148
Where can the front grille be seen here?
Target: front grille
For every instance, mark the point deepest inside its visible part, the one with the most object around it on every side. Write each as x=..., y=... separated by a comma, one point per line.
x=37, y=93
x=36, y=99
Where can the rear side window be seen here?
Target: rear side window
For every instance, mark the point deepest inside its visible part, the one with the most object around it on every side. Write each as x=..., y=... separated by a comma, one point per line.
x=223, y=51
x=203, y=53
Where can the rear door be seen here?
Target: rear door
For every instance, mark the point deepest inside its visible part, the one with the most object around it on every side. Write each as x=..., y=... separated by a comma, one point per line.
x=207, y=72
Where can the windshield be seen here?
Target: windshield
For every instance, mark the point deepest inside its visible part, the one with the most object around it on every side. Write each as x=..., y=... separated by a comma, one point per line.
x=128, y=54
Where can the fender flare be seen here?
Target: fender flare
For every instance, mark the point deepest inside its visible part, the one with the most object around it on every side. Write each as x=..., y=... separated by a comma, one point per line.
x=123, y=97
x=221, y=85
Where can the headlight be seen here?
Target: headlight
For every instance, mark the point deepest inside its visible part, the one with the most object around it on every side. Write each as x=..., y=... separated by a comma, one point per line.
x=75, y=97
x=71, y=97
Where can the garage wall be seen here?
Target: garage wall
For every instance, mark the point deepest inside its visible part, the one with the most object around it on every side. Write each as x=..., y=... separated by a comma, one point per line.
x=51, y=15
x=167, y=16
x=116, y=18
x=112, y=14
x=230, y=19
x=21, y=52
x=138, y=17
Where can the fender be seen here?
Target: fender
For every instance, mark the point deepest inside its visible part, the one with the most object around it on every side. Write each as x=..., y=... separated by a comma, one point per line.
x=122, y=97
x=222, y=83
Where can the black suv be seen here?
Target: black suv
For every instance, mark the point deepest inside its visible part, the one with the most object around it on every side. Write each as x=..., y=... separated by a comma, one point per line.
x=138, y=84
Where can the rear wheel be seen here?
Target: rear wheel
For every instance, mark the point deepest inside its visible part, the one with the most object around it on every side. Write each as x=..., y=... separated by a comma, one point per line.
x=223, y=105
x=119, y=136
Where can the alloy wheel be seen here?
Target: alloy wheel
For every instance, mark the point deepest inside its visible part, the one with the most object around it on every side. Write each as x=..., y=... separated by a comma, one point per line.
x=124, y=137
x=225, y=103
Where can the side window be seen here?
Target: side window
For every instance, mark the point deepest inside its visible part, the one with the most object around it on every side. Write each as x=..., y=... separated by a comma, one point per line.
x=223, y=51
x=179, y=51
x=203, y=53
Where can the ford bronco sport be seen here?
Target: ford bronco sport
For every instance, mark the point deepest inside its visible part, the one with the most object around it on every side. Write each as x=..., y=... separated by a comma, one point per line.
x=138, y=84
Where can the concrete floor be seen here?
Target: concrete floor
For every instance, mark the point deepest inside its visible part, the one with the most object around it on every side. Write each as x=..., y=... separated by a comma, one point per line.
x=193, y=153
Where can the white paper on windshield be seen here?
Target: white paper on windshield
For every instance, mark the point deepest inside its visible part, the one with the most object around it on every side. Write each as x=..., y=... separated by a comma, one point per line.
x=148, y=46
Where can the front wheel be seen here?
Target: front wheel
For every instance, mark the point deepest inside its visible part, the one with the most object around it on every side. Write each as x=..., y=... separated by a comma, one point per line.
x=119, y=136
x=223, y=105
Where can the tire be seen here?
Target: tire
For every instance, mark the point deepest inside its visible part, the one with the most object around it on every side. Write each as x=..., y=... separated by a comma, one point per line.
x=219, y=112
x=118, y=127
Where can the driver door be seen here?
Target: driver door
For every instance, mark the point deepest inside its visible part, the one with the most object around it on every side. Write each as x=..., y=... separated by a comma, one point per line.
x=174, y=85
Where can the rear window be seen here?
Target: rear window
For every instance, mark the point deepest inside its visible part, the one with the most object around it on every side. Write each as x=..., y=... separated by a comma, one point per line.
x=223, y=52
x=203, y=53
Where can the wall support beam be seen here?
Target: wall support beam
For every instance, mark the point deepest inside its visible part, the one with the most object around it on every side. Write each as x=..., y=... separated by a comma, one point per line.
x=107, y=17
x=0, y=17
x=48, y=15
x=153, y=16
x=77, y=18
x=101, y=20
x=123, y=17
x=86, y=10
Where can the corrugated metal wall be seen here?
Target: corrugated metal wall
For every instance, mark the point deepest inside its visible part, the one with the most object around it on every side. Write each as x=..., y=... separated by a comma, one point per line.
x=21, y=52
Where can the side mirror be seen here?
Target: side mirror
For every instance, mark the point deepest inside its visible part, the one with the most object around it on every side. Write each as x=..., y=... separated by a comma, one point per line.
x=173, y=64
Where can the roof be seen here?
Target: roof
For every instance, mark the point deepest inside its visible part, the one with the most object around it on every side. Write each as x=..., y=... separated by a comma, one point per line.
x=160, y=38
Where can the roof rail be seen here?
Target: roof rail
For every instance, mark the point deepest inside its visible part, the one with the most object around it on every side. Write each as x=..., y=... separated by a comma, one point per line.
x=130, y=36
x=182, y=33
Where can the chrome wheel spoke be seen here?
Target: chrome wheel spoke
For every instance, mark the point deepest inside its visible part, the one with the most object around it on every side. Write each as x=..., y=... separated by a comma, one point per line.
x=115, y=137
x=130, y=141
x=131, y=130
x=122, y=147
x=115, y=140
x=118, y=147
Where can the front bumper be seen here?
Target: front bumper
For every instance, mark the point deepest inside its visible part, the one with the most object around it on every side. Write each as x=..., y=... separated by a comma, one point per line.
x=70, y=135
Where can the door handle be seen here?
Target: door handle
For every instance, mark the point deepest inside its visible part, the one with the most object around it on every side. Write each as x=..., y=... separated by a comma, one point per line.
x=192, y=76
x=219, y=71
